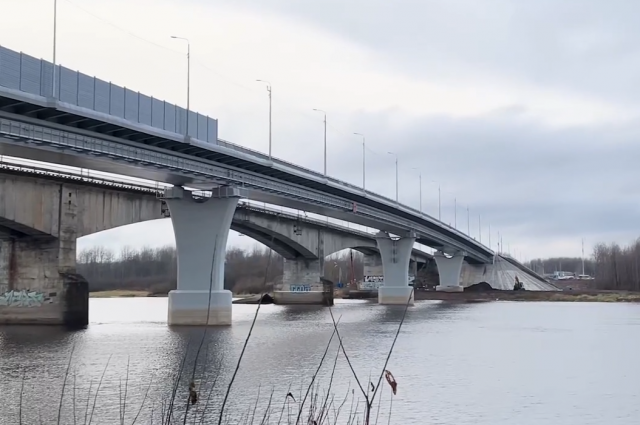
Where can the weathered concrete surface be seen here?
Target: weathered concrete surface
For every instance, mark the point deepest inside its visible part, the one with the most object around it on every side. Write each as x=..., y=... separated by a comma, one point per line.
x=40, y=221
x=34, y=206
x=373, y=276
x=449, y=271
x=201, y=228
x=301, y=272
x=396, y=256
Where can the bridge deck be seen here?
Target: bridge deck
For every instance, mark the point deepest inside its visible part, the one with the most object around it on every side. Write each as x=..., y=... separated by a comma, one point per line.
x=83, y=106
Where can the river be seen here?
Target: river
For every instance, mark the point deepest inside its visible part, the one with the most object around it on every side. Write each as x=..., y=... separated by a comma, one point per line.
x=478, y=363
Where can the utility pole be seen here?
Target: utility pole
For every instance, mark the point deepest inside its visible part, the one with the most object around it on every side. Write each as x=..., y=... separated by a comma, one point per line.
x=455, y=212
x=325, y=140
x=270, y=104
x=439, y=205
x=363, y=159
x=583, y=256
x=186, y=131
x=419, y=186
x=55, y=46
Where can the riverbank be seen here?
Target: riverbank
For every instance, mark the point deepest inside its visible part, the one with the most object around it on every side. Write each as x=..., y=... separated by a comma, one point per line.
x=120, y=294
x=467, y=296
x=564, y=296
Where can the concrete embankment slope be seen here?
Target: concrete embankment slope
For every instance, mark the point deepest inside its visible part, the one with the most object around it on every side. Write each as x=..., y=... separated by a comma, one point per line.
x=502, y=275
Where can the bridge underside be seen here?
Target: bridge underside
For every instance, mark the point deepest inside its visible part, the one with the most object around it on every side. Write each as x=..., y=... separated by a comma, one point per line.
x=40, y=152
x=10, y=229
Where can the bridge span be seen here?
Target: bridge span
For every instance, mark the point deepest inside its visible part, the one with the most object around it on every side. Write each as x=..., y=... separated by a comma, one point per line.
x=94, y=124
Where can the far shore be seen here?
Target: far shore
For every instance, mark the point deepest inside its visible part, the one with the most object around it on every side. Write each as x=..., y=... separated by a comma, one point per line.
x=468, y=296
x=560, y=296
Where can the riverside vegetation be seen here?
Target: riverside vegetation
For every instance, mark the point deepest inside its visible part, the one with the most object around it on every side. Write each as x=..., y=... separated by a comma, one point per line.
x=198, y=399
x=153, y=271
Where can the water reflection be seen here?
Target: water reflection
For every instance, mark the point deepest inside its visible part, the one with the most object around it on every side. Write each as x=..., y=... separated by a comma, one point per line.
x=486, y=363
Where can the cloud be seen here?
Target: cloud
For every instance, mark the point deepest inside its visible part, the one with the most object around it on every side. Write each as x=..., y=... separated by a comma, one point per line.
x=526, y=112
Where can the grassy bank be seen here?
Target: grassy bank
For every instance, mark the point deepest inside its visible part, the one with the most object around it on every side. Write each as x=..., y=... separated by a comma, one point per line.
x=565, y=296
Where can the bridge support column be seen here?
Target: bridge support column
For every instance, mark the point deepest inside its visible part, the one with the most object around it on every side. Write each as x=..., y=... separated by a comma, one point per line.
x=301, y=283
x=302, y=272
x=449, y=269
x=396, y=254
x=201, y=228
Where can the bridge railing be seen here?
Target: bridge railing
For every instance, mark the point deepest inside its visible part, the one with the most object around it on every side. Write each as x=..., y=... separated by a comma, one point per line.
x=21, y=72
x=157, y=189
x=356, y=189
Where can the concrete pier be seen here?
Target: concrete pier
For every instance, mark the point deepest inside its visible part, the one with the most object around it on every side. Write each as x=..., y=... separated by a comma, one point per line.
x=396, y=255
x=201, y=227
x=40, y=221
x=449, y=269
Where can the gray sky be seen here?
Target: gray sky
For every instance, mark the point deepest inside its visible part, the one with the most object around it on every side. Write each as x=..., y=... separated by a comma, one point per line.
x=527, y=112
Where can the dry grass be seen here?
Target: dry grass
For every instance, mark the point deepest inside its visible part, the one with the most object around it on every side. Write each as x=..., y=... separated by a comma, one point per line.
x=602, y=298
x=119, y=294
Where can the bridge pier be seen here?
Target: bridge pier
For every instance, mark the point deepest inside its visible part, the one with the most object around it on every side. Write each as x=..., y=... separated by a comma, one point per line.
x=396, y=255
x=201, y=228
x=449, y=269
x=302, y=272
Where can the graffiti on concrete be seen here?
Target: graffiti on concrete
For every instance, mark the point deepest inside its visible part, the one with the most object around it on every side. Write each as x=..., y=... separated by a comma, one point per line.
x=300, y=288
x=23, y=298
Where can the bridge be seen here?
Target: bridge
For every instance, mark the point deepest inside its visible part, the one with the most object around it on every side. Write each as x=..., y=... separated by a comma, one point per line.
x=94, y=124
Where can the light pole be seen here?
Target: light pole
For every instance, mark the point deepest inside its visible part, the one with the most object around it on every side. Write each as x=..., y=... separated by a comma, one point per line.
x=363, y=157
x=479, y=229
x=186, y=131
x=455, y=212
x=269, y=91
x=325, y=140
x=391, y=153
x=420, y=186
x=439, y=200
x=468, y=223
x=583, y=257
x=55, y=45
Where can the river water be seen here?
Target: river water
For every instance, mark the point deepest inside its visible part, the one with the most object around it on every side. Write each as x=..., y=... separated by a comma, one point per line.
x=481, y=363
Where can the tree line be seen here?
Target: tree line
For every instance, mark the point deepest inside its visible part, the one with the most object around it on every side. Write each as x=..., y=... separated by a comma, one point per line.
x=617, y=267
x=155, y=269
x=613, y=267
x=547, y=266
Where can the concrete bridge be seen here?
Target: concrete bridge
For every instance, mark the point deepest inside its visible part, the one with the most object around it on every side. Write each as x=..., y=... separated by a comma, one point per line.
x=95, y=124
x=42, y=213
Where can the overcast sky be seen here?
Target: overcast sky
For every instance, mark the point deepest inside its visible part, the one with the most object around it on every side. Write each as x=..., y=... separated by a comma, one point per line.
x=525, y=111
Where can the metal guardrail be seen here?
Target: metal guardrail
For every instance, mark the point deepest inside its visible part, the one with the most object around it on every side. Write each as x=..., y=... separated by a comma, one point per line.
x=89, y=96
x=158, y=189
x=28, y=134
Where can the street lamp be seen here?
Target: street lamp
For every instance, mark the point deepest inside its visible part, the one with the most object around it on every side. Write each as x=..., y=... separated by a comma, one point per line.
x=269, y=91
x=439, y=200
x=325, y=140
x=363, y=156
x=468, y=223
x=391, y=153
x=186, y=132
x=420, y=186
x=55, y=45
x=455, y=212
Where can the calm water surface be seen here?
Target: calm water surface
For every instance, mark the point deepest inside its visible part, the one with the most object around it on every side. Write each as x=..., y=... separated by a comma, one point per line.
x=492, y=363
